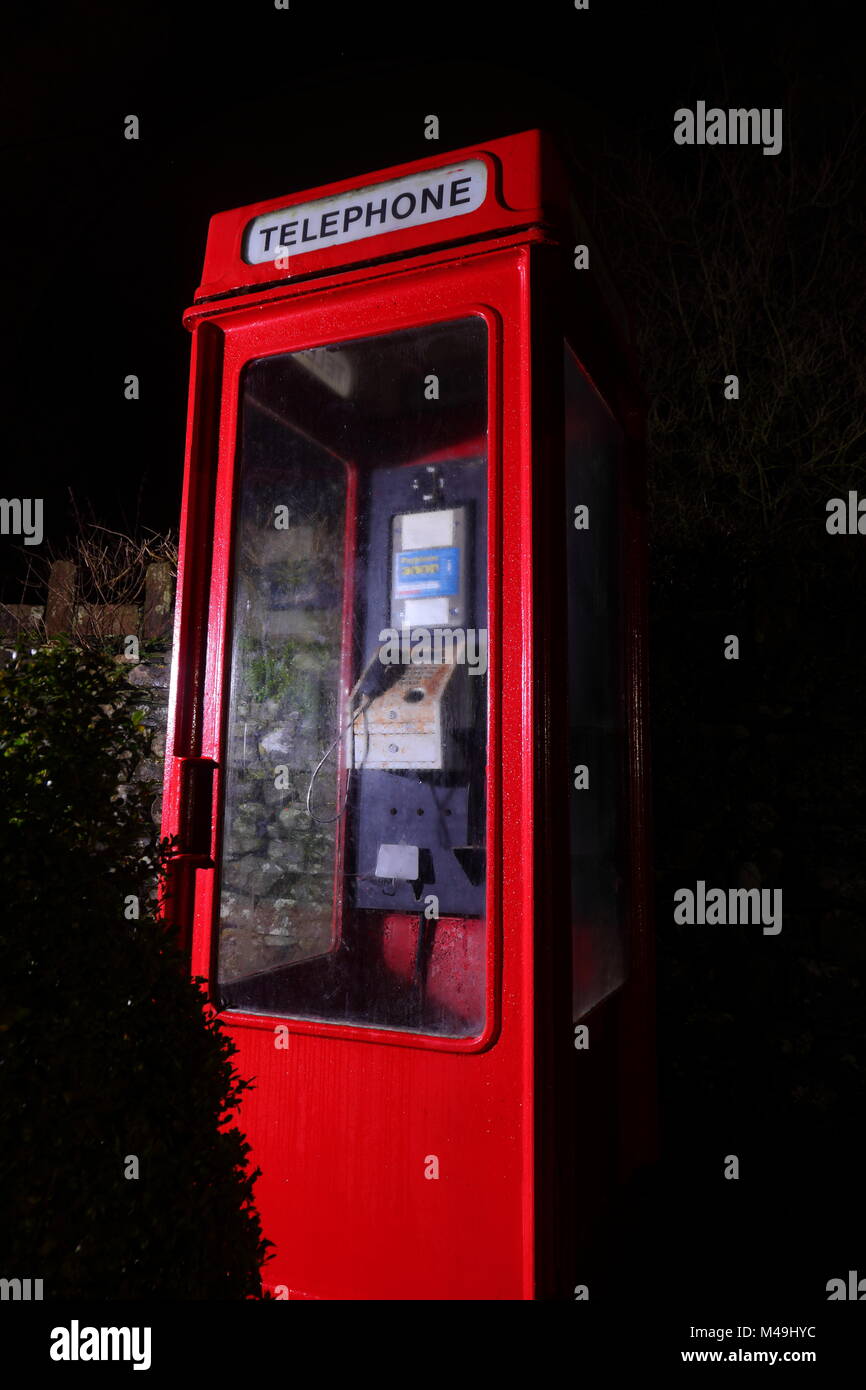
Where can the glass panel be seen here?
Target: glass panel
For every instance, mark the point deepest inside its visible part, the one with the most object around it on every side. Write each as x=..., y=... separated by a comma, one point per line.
x=593, y=444
x=353, y=861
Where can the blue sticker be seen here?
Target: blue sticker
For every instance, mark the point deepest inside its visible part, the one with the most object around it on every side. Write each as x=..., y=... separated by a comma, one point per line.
x=425, y=573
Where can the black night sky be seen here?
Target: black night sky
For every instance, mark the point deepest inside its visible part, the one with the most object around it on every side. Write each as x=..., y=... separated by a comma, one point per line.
x=104, y=248
x=106, y=236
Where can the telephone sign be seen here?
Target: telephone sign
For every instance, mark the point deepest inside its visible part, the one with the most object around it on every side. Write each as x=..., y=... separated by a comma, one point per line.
x=415, y=201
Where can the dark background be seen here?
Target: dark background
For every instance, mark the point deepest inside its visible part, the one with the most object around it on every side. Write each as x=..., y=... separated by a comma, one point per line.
x=762, y=1041
x=241, y=102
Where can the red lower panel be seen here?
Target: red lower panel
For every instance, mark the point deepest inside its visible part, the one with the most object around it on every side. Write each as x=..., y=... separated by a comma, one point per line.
x=349, y=1136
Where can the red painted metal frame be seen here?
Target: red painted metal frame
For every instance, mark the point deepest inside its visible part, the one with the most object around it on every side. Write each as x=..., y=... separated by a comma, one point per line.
x=340, y=1123
x=490, y=1164
x=272, y=331
x=596, y=1116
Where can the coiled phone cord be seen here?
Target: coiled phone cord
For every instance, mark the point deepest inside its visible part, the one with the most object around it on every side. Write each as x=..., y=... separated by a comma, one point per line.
x=349, y=724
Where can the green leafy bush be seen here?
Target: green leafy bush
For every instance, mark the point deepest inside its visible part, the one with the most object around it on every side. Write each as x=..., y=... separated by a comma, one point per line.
x=107, y=1052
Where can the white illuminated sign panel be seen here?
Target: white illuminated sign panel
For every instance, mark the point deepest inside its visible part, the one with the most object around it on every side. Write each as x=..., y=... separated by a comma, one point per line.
x=434, y=196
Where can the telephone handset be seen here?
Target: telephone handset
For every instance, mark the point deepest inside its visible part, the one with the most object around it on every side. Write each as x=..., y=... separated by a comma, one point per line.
x=409, y=724
x=397, y=711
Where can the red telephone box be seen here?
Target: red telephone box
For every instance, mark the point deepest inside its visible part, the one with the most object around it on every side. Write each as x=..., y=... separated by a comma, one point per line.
x=406, y=758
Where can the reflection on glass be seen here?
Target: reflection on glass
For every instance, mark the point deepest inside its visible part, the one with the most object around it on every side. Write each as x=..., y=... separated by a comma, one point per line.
x=353, y=850
x=593, y=443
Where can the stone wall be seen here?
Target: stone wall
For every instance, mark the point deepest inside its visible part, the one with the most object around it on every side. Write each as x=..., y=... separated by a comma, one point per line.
x=278, y=863
x=151, y=678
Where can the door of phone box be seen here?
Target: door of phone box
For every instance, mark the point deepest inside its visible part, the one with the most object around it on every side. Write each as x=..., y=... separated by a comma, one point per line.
x=405, y=763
